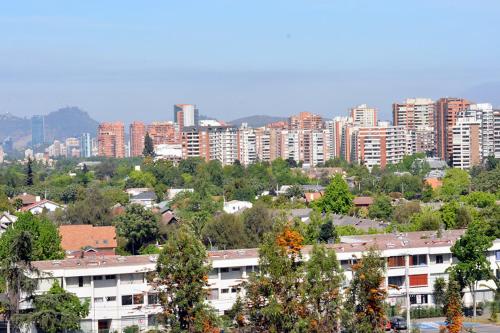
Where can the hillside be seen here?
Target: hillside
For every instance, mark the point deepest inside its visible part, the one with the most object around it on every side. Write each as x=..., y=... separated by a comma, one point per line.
x=257, y=121
x=61, y=124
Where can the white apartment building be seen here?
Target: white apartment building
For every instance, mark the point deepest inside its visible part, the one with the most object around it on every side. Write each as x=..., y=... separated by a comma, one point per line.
x=224, y=144
x=381, y=145
x=120, y=296
x=466, y=138
x=247, y=145
x=483, y=113
x=496, y=132
x=364, y=116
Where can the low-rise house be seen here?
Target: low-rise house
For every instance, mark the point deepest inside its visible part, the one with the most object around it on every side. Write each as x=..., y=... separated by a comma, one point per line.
x=311, y=196
x=6, y=219
x=41, y=206
x=146, y=199
x=236, y=206
x=26, y=199
x=82, y=240
x=362, y=202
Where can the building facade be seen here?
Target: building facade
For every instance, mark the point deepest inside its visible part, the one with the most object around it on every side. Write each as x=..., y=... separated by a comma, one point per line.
x=37, y=131
x=364, y=116
x=120, y=295
x=466, y=143
x=111, y=140
x=446, y=113
x=137, y=134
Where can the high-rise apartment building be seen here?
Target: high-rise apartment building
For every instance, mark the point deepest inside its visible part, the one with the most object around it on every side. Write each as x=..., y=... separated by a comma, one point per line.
x=72, y=147
x=305, y=120
x=466, y=143
x=381, y=145
x=137, y=134
x=496, y=132
x=364, y=116
x=416, y=115
x=446, y=114
x=247, y=145
x=483, y=113
x=37, y=130
x=186, y=115
x=85, y=145
x=164, y=132
x=111, y=140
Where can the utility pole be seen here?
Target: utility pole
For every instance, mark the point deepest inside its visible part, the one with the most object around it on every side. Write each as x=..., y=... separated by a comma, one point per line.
x=407, y=283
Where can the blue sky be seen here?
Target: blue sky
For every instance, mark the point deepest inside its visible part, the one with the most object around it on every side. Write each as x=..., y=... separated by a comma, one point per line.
x=134, y=59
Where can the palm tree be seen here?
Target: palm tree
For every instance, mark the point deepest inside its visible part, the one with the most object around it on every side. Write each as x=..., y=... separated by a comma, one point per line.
x=18, y=272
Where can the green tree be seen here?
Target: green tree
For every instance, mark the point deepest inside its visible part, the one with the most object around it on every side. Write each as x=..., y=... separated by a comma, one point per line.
x=480, y=199
x=337, y=198
x=404, y=212
x=473, y=265
x=94, y=209
x=44, y=238
x=225, y=231
x=427, y=220
x=439, y=292
x=55, y=311
x=149, y=149
x=29, y=172
x=183, y=278
x=323, y=279
x=456, y=182
x=487, y=181
x=273, y=295
x=327, y=232
x=364, y=308
x=138, y=226
x=381, y=208
x=17, y=273
x=258, y=221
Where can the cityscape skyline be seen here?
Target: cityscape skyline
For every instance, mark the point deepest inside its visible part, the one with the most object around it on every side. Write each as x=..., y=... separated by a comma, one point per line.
x=320, y=56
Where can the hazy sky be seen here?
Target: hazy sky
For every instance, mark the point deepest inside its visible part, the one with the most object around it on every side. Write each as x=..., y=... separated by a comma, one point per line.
x=135, y=59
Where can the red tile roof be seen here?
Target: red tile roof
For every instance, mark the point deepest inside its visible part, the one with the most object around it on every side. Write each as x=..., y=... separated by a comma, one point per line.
x=77, y=237
x=36, y=204
x=363, y=201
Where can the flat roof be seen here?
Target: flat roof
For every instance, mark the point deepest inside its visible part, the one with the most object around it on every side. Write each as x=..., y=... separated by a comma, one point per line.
x=348, y=244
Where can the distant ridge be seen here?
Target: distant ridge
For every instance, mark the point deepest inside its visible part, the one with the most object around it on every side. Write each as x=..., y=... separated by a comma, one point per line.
x=60, y=124
x=257, y=121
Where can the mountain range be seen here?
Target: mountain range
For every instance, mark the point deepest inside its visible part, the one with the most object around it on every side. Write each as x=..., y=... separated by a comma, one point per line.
x=59, y=125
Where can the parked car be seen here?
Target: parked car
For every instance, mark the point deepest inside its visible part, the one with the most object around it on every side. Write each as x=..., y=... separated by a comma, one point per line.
x=398, y=323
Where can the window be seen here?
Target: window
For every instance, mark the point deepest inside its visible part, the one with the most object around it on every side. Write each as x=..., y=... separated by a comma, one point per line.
x=98, y=300
x=152, y=320
x=153, y=299
x=418, y=260
x=439, y=259
x=127, y=300
x=132, y=299
x=224, y=291
x=110, y=277
x=418, y=280
x=213, y=274
x=77, y=281
x=135, y=278
x=96, y=278
x=224, y=270
x=235, y=290
x=398, y=261
x=235, y=269
x=419, y=299
x=398, y=281
x=110, y=298
x=497, y=255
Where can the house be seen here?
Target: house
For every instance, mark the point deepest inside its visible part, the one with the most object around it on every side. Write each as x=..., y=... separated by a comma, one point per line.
x=236, y=206
x=146, y=199
x=6, y=220
x=41, y=206
x=311, y=196
x=434, y=182
x=26, y=199
x=82, y=240
x=301, y=213
x=167, y=214
x=357, y=222
x=362, y=202
x=137, y=190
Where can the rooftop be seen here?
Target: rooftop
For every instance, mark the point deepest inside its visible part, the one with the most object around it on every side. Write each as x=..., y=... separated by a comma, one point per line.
x=77, y=237
x=349, y=244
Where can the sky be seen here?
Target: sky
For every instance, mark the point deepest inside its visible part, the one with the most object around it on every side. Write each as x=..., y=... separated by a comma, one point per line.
x=132, y=60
